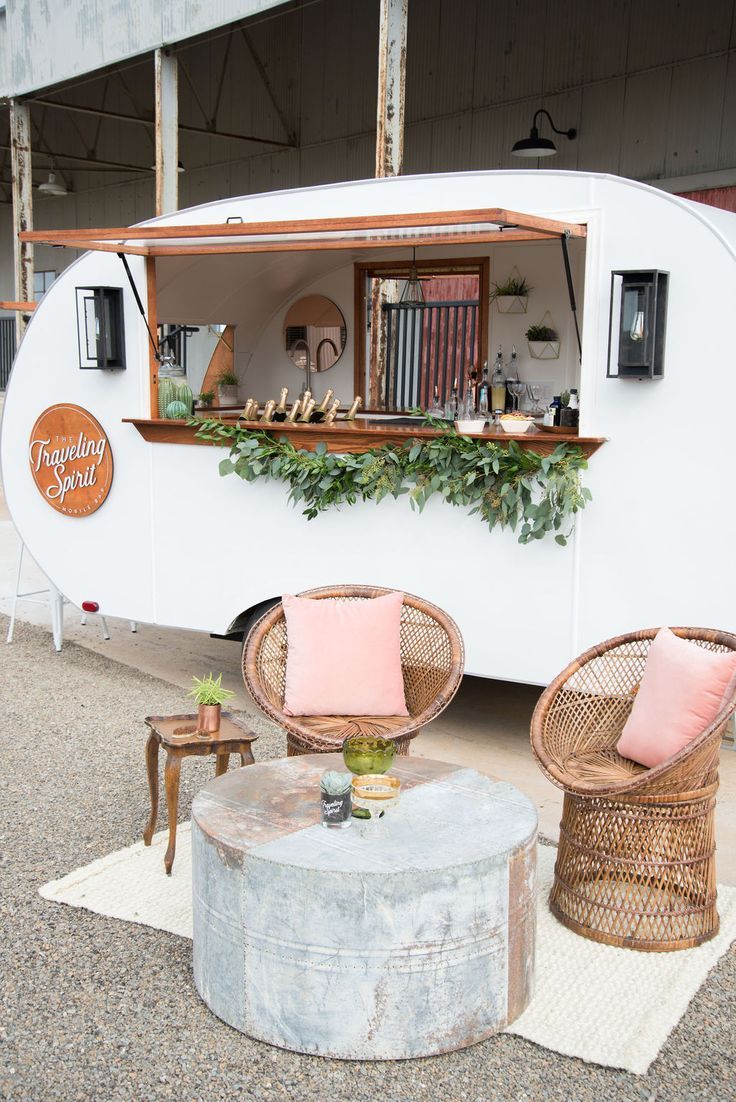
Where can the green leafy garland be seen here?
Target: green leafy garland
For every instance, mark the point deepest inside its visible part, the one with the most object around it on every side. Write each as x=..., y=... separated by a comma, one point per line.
x=504, y=484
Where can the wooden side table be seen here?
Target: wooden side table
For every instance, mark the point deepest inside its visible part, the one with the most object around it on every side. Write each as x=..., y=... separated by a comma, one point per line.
x=178, y=735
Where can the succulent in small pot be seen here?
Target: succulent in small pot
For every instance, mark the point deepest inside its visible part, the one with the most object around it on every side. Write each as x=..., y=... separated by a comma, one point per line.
x=206, y=399
x=543, y=341
x=209, y=696
x=227, y=388
x=336, y=798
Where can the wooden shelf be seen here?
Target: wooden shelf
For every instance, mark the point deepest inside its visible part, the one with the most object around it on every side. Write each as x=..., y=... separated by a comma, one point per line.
x=357, y=436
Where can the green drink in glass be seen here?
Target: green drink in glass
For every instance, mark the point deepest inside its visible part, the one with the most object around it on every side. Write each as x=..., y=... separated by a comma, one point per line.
x=365, y=754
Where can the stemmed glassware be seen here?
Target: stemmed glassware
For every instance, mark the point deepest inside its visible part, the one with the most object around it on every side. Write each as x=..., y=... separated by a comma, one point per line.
x=516, y=389
x=536, y=393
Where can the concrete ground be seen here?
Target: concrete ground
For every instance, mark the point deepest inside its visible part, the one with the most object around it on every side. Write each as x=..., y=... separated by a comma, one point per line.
x=486, y=726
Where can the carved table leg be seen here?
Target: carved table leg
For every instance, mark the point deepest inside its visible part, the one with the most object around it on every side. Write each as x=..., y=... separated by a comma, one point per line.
x=222, y=762
x=246, y=754
x=152, y=768
x=171, y=778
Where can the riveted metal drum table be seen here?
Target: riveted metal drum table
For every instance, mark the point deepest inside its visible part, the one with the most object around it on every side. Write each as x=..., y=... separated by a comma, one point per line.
x=413, y=938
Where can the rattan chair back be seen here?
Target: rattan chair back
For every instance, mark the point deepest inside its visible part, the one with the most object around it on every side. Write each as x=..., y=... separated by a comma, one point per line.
x=432, y=662
x=636, y=860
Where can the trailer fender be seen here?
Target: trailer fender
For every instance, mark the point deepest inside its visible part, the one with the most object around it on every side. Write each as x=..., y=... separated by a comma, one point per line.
x=244, y=621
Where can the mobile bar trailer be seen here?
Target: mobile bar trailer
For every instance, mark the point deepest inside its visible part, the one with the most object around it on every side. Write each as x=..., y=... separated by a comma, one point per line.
x=125, y=508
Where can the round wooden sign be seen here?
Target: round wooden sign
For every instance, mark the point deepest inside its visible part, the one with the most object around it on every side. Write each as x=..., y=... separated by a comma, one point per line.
x=71, y=460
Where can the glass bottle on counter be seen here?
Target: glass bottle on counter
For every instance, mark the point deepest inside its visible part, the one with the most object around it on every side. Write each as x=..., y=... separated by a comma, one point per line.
x=498, y=385
x=468, y=406
x=437, y=410
x=484, y=392
x=451, y=404
x=555, y=406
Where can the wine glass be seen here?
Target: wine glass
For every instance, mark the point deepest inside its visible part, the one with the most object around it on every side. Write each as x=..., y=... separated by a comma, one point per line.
x=516, y=389
x=536, y=393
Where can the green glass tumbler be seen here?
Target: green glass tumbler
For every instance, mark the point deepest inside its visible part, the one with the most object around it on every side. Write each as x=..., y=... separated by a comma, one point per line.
x=365, y=754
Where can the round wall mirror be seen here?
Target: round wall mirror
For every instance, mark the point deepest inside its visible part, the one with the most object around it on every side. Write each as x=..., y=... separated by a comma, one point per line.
x=314, y=333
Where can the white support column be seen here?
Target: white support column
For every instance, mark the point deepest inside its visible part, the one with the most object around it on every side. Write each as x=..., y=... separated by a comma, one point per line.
x=391, y=87
x=20, y=153
x=167, y=132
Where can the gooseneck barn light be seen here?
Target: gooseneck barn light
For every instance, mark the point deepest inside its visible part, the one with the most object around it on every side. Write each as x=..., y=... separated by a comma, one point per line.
x=534, y=146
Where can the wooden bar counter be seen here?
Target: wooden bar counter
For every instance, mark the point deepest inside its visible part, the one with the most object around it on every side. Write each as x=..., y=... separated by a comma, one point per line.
x=360, y=435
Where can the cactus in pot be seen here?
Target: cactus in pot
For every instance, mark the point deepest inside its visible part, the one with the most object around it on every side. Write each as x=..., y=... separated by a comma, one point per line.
x=166, y=395
x=184, y=394
x=177, y=411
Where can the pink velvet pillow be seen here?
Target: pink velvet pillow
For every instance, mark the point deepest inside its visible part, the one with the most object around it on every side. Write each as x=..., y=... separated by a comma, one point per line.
x=344, y=657
x=682, y=691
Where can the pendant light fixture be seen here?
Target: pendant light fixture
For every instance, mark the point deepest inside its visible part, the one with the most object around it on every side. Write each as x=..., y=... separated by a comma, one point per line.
x=412, y=293
x=534, y=146
x=51, y=187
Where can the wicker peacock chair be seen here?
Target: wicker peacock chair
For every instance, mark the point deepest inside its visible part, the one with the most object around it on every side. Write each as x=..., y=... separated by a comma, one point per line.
x=636, y=861
x=432, y=660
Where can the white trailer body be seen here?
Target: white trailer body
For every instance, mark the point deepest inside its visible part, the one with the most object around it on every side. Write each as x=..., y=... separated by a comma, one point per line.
x=176, y=544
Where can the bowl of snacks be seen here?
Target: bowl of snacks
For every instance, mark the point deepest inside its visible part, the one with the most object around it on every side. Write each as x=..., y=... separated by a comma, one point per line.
x=516, y=422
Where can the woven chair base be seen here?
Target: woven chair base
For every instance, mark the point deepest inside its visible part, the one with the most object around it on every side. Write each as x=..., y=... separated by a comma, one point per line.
x=635, y=874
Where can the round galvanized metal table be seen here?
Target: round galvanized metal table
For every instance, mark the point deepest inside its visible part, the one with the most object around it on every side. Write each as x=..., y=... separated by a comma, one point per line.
x=408, y=940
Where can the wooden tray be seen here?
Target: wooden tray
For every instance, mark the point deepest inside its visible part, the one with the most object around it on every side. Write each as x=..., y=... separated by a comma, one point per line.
x=559, y=429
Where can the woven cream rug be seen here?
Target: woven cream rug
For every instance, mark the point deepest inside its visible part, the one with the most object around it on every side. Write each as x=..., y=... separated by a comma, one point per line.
x=607, y=1006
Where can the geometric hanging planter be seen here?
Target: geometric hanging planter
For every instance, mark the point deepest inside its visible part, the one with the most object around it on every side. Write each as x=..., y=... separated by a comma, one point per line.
x=544, y=344
x=511, y=295
x=512, y=304
x=544, y=350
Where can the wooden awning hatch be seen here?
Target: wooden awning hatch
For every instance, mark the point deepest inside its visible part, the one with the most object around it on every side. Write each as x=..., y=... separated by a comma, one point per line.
x=481, y=226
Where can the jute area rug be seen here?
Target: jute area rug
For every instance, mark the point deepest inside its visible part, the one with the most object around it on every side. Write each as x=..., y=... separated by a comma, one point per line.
x=608, y=1006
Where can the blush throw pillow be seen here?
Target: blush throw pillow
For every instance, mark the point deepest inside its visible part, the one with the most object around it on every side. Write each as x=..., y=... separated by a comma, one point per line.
x=344, y=657
x=682, y=691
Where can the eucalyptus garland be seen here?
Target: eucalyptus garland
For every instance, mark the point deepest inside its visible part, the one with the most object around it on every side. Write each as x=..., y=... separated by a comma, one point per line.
x=503, y=484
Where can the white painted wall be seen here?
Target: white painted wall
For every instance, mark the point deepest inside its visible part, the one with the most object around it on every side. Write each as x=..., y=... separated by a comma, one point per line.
x=655, y=545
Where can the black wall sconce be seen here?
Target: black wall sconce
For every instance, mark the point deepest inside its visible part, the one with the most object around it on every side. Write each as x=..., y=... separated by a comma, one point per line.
x=100, y=328
x=534, y=146
x=637, y=325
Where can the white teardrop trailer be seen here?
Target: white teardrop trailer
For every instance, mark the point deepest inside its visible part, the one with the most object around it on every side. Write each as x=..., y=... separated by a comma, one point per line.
x=173, y=543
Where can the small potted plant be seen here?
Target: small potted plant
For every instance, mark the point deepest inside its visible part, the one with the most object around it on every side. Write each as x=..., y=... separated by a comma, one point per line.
x=210, y=696
x=227, y=389
x=544, y=344
x=206, y=399
x=512, y=294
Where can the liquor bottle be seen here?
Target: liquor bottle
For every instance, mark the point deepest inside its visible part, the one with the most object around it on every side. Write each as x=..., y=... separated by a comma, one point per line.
x=250, y=410
x=469, y=403
x=268, y=410
x=307, y=410
x=279, y=414
x=306, y=398
x=294, y=411
x=556, y=406
x=357, y=403
x=451, y=405
x=484, y=392
x=437, y=410
x=322, y=407
x=332, y=412
x=498, y=385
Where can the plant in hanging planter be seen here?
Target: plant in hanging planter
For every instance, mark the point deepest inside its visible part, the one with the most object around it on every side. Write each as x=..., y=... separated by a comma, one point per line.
x=227, y=388
x=209, y=696
x=503, y=484
x=544, y=344
x=511, y=295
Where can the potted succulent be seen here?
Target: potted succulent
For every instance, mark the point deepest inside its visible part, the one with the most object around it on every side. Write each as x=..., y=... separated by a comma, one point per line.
x=227, y=389
x=512, y=294
x=544, y=344
x=205, y=400
x=209, y=696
